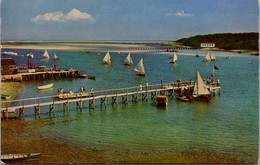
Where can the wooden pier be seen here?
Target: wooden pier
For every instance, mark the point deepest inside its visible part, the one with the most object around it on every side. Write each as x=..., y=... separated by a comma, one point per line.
x=136, y=94
x=48, y=74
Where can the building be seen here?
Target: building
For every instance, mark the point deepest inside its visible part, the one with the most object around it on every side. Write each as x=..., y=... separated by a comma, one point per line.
x=8, y=66
x=207, y=44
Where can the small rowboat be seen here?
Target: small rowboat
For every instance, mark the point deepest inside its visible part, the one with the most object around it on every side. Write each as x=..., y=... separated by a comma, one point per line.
x=9, y=53
x=71, y=95
x=18, y=156
x=184, y=98
x=11, y=113
x=161, y=100
x=85, y=76
x=3, y=96
x=45, y=86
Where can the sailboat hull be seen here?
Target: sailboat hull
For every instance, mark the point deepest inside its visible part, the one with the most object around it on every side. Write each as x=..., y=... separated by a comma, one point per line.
x=203, y=98
x=106, y=63
x=128, y=64
x=172, y=62
x=140, y=74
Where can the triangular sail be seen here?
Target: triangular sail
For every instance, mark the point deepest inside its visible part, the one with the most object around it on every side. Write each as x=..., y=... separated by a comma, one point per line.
x=140, y=67
x=128, y=60
x=55, y=56
x=212, y=57
x=107, y=59
x=175, y=58
x=45, y=55
x=207, y=58
x=200, y=87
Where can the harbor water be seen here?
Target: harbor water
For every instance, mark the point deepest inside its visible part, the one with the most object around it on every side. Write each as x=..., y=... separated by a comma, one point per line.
x=228, y=126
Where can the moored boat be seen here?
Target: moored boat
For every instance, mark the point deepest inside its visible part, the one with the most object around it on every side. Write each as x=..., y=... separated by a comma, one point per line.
x=5, y=157
x=85, y=76
x=9, y=53
x=3, y=96
x=184, y=98
x=11, y=113
x=161, y=100
x=45, y=86
x=71, y=95
x=30, y=55
x=200, y=92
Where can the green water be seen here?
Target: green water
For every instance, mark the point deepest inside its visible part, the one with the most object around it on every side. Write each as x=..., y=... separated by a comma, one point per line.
x=227, y=126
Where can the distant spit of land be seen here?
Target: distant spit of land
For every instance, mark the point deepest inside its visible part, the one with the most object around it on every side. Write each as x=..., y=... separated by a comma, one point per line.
x=235, y=42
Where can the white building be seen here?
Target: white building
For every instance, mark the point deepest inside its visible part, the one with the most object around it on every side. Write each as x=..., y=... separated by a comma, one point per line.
x=207, y=44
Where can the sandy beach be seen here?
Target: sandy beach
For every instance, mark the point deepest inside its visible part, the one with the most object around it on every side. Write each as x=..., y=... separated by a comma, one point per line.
x=19, y=136
x=78, y=46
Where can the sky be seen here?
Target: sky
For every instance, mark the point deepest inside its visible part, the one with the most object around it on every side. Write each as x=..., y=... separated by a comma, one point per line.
x=91, y=20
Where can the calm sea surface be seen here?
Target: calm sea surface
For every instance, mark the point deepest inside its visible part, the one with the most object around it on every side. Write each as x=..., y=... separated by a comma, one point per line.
x=226, y=126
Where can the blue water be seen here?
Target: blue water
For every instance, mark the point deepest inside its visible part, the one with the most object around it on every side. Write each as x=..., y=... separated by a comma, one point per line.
x=227, y=126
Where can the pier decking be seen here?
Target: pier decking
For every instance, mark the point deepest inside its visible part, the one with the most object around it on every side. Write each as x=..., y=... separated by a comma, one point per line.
x=135, y=93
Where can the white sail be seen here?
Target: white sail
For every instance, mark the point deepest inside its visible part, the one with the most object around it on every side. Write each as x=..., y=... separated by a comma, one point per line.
x=207, y=58
x=55, y=56
x=200, y=87
x=212, y=57
x=128, y=60
x=107, y=59
x=45, y=55
x=175, y=58
x=140, y=67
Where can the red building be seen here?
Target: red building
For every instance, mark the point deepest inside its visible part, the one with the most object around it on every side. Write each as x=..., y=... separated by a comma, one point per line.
x=8, y=66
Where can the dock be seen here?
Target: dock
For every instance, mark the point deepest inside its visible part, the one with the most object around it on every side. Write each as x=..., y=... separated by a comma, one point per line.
x=48, y=74
x=103, y=97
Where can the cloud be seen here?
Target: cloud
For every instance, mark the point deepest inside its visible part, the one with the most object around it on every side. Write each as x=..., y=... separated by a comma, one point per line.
x=182, y=14
x=73, y=15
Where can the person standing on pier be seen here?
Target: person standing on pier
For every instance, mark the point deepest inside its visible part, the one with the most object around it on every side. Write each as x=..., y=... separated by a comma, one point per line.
x=146, y=85
x=141, y=87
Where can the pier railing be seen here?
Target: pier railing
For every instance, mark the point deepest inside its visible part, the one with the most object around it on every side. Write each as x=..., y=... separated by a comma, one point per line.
x=47, y=100
x=103, y=95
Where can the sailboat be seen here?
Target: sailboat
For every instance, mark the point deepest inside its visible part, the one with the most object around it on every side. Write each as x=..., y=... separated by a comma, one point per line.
x=106, y=59
x=174, y=58
x=56, y=58
x=210, y=57
x=200, y=92
x=45, y=55
x=140, y=68
x=128, y=60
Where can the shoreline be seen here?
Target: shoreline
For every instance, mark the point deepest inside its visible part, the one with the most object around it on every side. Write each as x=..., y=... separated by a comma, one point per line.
x=17, y=134
x=64, y=46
